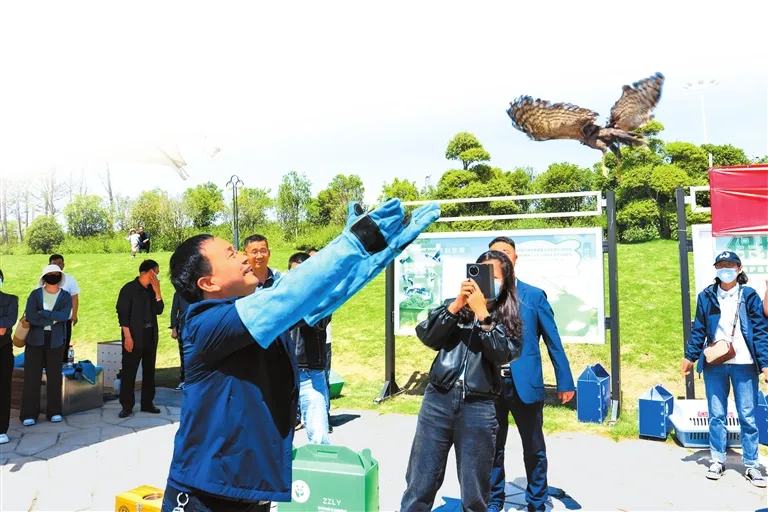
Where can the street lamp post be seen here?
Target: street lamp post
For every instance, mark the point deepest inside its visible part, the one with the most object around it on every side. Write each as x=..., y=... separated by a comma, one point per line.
x=700, y=85
x=235, y=181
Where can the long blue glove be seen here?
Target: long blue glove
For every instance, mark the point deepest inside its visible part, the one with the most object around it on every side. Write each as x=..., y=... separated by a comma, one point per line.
x=320, y=285
x=367, y=270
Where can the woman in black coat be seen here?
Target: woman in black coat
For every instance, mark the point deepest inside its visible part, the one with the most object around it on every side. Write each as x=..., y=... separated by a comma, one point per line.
x=9, y=311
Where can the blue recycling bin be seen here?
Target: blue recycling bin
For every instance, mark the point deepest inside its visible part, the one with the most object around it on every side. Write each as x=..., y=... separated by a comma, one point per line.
x=761, y=415
x=593, y=394
x=654, y=409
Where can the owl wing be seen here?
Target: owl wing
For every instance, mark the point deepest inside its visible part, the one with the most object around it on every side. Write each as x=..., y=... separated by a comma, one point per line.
x=542, y=120
x=634, y=108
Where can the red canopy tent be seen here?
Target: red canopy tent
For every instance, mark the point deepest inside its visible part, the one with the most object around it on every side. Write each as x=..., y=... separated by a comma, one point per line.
x=739, y=198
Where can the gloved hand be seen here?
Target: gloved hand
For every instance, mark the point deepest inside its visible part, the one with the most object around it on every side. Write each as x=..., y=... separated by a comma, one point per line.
x=320, y=285
x=386, y=232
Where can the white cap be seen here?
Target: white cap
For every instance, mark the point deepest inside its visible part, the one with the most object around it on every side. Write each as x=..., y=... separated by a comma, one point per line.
x=49, y=270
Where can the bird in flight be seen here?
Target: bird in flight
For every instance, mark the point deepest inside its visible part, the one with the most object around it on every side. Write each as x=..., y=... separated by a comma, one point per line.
x=542, y=120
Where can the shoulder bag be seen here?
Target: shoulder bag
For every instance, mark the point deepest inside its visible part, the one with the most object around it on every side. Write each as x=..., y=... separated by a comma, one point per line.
x=722, y=350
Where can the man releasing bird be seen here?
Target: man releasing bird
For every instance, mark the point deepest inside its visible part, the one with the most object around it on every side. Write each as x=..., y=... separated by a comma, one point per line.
x=542, y=120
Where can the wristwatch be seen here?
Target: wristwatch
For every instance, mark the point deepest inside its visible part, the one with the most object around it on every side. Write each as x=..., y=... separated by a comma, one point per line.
x=486, y=321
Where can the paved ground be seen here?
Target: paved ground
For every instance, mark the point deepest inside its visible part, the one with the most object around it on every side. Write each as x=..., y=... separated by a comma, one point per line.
x=83, y=463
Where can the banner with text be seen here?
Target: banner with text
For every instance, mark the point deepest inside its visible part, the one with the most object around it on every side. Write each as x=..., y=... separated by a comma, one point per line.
x=566, y=263
x=752, y=250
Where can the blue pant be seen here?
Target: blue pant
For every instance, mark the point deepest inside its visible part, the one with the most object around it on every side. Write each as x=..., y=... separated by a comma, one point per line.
x=445, y=420
x=717, y=383
x=529, y=419
x=313, y=401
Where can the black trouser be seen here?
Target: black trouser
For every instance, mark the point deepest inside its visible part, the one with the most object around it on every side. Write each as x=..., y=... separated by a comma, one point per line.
x=529, y=419
x=146, y=354
x=181, y=355
x=469, y=425
x=6, y=371
x=201, y=502
x=35, y=359
x=67, y=340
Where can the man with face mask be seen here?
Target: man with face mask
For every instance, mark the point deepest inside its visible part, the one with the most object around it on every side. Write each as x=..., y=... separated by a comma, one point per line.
x=730, y=312
x=138, y=306
x=523, y=391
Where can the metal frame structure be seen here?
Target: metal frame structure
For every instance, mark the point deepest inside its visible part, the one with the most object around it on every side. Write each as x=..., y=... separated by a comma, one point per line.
x=685, y=245
x=391, y=388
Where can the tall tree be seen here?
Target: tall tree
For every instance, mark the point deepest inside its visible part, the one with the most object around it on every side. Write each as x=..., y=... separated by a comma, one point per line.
x=253, y=206
x=331, y=203
x=405, y=190
x=86, y=216
x=48, y=191
x=293, y=196
x=152, y=210
x=4, y=209
x=106, y=181
x=465, y=147
x=203, y=204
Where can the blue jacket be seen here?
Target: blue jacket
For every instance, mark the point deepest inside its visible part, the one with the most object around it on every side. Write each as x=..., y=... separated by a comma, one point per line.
x=754, y=326
x=39, y=318
x=538, y=321
x=235, y=438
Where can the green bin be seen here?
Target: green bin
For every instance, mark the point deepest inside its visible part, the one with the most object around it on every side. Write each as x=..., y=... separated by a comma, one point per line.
x=336, y=383
x=330, y=478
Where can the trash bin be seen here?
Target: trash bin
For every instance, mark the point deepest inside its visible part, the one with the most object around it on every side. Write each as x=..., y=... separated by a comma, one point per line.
x=336, y=384
x=333, y=478
x=140, y=499
x=761, y=414
x=654, y=409
x=593, y=394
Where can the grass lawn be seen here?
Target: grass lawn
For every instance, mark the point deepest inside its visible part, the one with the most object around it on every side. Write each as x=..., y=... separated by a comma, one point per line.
x=650, y=315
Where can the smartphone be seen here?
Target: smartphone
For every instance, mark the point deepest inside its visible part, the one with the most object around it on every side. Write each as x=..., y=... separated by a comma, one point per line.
x=482, y=274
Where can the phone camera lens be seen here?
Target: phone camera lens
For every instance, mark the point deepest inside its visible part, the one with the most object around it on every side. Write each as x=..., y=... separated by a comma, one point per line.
x=474, y=271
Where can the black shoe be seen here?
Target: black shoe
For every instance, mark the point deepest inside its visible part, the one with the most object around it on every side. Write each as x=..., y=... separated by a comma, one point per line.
x=124, y=413
x=152, y=409
x=330, y=429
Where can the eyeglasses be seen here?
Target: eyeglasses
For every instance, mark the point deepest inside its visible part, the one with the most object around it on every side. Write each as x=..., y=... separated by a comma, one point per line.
x=263, y=252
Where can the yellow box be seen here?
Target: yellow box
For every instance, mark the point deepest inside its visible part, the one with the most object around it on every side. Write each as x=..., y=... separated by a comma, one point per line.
x=141, y=499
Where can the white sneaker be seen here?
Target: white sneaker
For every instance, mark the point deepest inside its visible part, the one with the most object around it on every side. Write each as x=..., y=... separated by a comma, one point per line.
x=56, y=418
x=4, y=438
x=29, y=422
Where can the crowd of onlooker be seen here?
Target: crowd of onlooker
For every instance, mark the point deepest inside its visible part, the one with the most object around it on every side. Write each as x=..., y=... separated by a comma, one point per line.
x=44, y=330
x=488, y=361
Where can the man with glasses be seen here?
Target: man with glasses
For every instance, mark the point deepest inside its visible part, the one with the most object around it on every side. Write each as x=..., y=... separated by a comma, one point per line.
x=256, y=248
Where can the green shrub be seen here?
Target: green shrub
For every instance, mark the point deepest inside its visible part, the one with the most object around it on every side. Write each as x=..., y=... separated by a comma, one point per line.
x=638, y=221
x=44, y=234
x=317, y=238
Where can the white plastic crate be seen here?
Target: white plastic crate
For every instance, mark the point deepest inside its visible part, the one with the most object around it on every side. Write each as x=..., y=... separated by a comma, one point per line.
x=109, y=355
x=691, y=421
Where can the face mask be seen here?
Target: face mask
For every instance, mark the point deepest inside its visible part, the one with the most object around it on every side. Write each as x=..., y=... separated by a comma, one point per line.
x=157, y=275
x=727, y=275
x=1, y=282
x=52, y=278
x=497, y=283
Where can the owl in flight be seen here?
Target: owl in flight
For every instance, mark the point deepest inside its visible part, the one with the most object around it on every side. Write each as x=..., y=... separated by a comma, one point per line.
x=542, y=120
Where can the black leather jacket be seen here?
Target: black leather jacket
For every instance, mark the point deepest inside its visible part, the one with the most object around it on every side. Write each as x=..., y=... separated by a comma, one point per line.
x=484, y=351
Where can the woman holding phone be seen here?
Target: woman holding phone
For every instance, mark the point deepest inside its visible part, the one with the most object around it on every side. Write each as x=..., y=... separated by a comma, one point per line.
x=474, y=335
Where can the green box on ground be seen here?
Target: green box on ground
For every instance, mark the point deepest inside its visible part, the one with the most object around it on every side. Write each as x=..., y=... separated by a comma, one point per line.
x=336, y=384
x=330, y=478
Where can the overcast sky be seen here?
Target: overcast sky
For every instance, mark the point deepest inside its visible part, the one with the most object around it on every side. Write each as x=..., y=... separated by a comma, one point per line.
x=356, y=87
